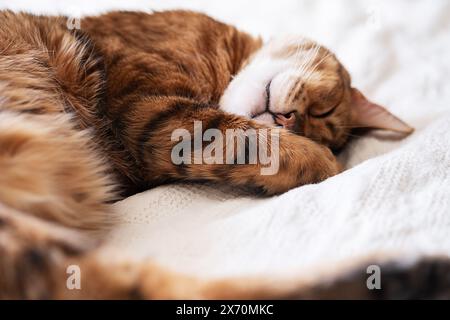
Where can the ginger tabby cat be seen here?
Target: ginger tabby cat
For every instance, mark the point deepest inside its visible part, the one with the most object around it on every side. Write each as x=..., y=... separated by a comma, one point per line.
x=86, y=117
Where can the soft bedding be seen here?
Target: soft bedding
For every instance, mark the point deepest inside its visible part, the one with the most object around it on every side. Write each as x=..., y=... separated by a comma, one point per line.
x=392, y=204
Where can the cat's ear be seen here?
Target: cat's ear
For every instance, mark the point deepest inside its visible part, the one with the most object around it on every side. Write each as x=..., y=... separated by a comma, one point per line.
x=366, y=114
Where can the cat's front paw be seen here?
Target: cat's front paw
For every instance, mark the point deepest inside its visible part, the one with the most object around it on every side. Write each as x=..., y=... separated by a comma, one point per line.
x=302, y=162
x=327, y=165
x=315, y=163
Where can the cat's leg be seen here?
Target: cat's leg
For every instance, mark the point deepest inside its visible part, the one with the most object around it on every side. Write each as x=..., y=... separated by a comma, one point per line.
x=42, y=260
x=51, y=170
x=33, y=254
x=150, y=126
x=51, y=181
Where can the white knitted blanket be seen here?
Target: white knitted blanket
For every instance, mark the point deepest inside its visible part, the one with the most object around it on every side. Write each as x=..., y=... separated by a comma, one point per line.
x=394, y=199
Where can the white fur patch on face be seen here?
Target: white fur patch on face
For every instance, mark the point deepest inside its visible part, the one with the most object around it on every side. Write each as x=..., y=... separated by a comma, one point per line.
x=246, y=93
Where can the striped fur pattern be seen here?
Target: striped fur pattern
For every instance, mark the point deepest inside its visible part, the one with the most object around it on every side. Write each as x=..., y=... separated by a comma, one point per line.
x=86, y=117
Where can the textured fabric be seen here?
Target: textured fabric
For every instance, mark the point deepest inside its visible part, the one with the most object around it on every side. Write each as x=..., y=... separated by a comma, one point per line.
x=395, y=203
x=394, y=199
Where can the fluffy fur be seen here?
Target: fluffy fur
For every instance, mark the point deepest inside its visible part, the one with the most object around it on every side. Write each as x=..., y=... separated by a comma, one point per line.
x=86, y=116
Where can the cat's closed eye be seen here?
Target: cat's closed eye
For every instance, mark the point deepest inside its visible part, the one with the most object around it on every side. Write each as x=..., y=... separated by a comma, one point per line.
x=318, y=112
x=326, y=95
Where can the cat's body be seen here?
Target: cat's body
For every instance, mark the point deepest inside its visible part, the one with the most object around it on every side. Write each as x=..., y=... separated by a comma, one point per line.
x=88, y=114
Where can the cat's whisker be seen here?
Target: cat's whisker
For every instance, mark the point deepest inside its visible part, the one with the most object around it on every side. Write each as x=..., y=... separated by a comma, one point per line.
x=355, y=135
x=299, y=62
x=314, y=68
x=310, y=57
x=305, y=63
x=350, y=127
x=308, y=71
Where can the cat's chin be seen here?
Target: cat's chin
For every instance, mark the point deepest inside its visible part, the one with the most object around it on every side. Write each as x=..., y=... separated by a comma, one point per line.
x=265, y=118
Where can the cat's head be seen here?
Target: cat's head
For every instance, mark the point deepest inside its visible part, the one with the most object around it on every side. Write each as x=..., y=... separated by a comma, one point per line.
x=302, y=86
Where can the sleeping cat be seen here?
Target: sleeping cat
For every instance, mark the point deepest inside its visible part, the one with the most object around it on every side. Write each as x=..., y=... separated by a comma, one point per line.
x=86, y=115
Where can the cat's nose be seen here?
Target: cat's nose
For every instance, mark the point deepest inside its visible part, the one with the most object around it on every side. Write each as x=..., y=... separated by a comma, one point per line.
x=286, y=120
